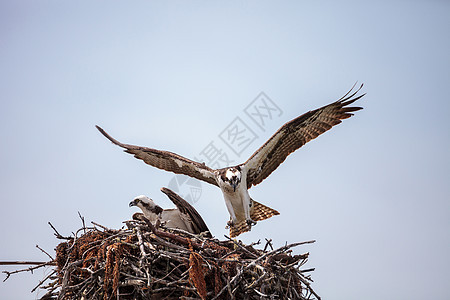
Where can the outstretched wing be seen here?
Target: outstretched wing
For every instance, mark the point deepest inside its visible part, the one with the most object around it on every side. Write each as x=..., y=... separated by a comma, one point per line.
x=167, y=160
x=295, y=134
x=188, y=211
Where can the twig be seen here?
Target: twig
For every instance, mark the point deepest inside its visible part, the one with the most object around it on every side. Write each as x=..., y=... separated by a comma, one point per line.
x=256, y=282
x=43, y=280
x=283, y=248
x=58, y=236
x=230, y=292
x=268, y=243
x=5, y=263
x=172, y=236
x=30, y=269
x=82, y=222
x=308, y=270
x=245, y=250
x=45, y=252
x=101, y=226
x=141, y=243
x=228, y=285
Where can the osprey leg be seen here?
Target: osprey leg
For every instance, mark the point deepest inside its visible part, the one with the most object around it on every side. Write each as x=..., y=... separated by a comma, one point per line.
x=233, y=219
x=247, y=203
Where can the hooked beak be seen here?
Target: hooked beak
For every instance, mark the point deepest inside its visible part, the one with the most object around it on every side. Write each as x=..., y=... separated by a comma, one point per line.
x=132, y=203
x=234, y=185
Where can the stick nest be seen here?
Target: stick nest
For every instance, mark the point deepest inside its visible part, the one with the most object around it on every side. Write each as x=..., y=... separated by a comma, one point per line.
x=144, y=262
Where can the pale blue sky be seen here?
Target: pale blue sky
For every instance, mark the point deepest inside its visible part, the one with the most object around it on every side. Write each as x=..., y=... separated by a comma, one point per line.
x=374, y=192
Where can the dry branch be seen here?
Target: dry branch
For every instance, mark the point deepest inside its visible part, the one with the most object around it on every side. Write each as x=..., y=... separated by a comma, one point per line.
x=145, y=262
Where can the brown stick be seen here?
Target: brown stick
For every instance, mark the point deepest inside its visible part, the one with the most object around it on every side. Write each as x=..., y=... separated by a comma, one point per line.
x=45, y=252
x=48, y=263
x=58, y=236
x=172, y=236
x=30, y=269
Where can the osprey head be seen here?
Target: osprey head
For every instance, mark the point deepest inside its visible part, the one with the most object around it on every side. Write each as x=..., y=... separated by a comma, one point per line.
x=232, y=177
x=146, y=204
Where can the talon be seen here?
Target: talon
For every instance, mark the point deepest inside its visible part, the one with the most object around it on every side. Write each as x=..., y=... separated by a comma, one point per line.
x=250, y=222
x=229, y=224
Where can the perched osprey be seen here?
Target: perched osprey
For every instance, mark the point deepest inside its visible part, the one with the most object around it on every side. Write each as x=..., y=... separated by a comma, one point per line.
x=234, y=181
x=184, y=217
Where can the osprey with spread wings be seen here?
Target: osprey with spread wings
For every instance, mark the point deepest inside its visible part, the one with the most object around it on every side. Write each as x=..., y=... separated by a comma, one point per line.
x=234, y=181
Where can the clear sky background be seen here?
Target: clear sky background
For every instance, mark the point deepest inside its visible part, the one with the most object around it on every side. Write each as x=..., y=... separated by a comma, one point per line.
x=374, y=191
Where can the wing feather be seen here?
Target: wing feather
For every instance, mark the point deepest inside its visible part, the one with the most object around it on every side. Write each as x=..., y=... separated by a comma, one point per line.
x=297, y=132
x=186, y=209
x=166, y=160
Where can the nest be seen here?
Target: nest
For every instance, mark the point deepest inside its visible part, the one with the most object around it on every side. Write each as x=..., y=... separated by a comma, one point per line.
x=144, y=262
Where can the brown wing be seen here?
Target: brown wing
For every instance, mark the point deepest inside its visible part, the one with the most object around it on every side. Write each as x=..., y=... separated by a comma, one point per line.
x=188, y=210
x=167, y=160
x=295, y=134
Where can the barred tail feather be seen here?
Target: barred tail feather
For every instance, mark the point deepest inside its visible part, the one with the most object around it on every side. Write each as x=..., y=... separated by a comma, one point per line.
x=258, y=212
x=239, y=228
